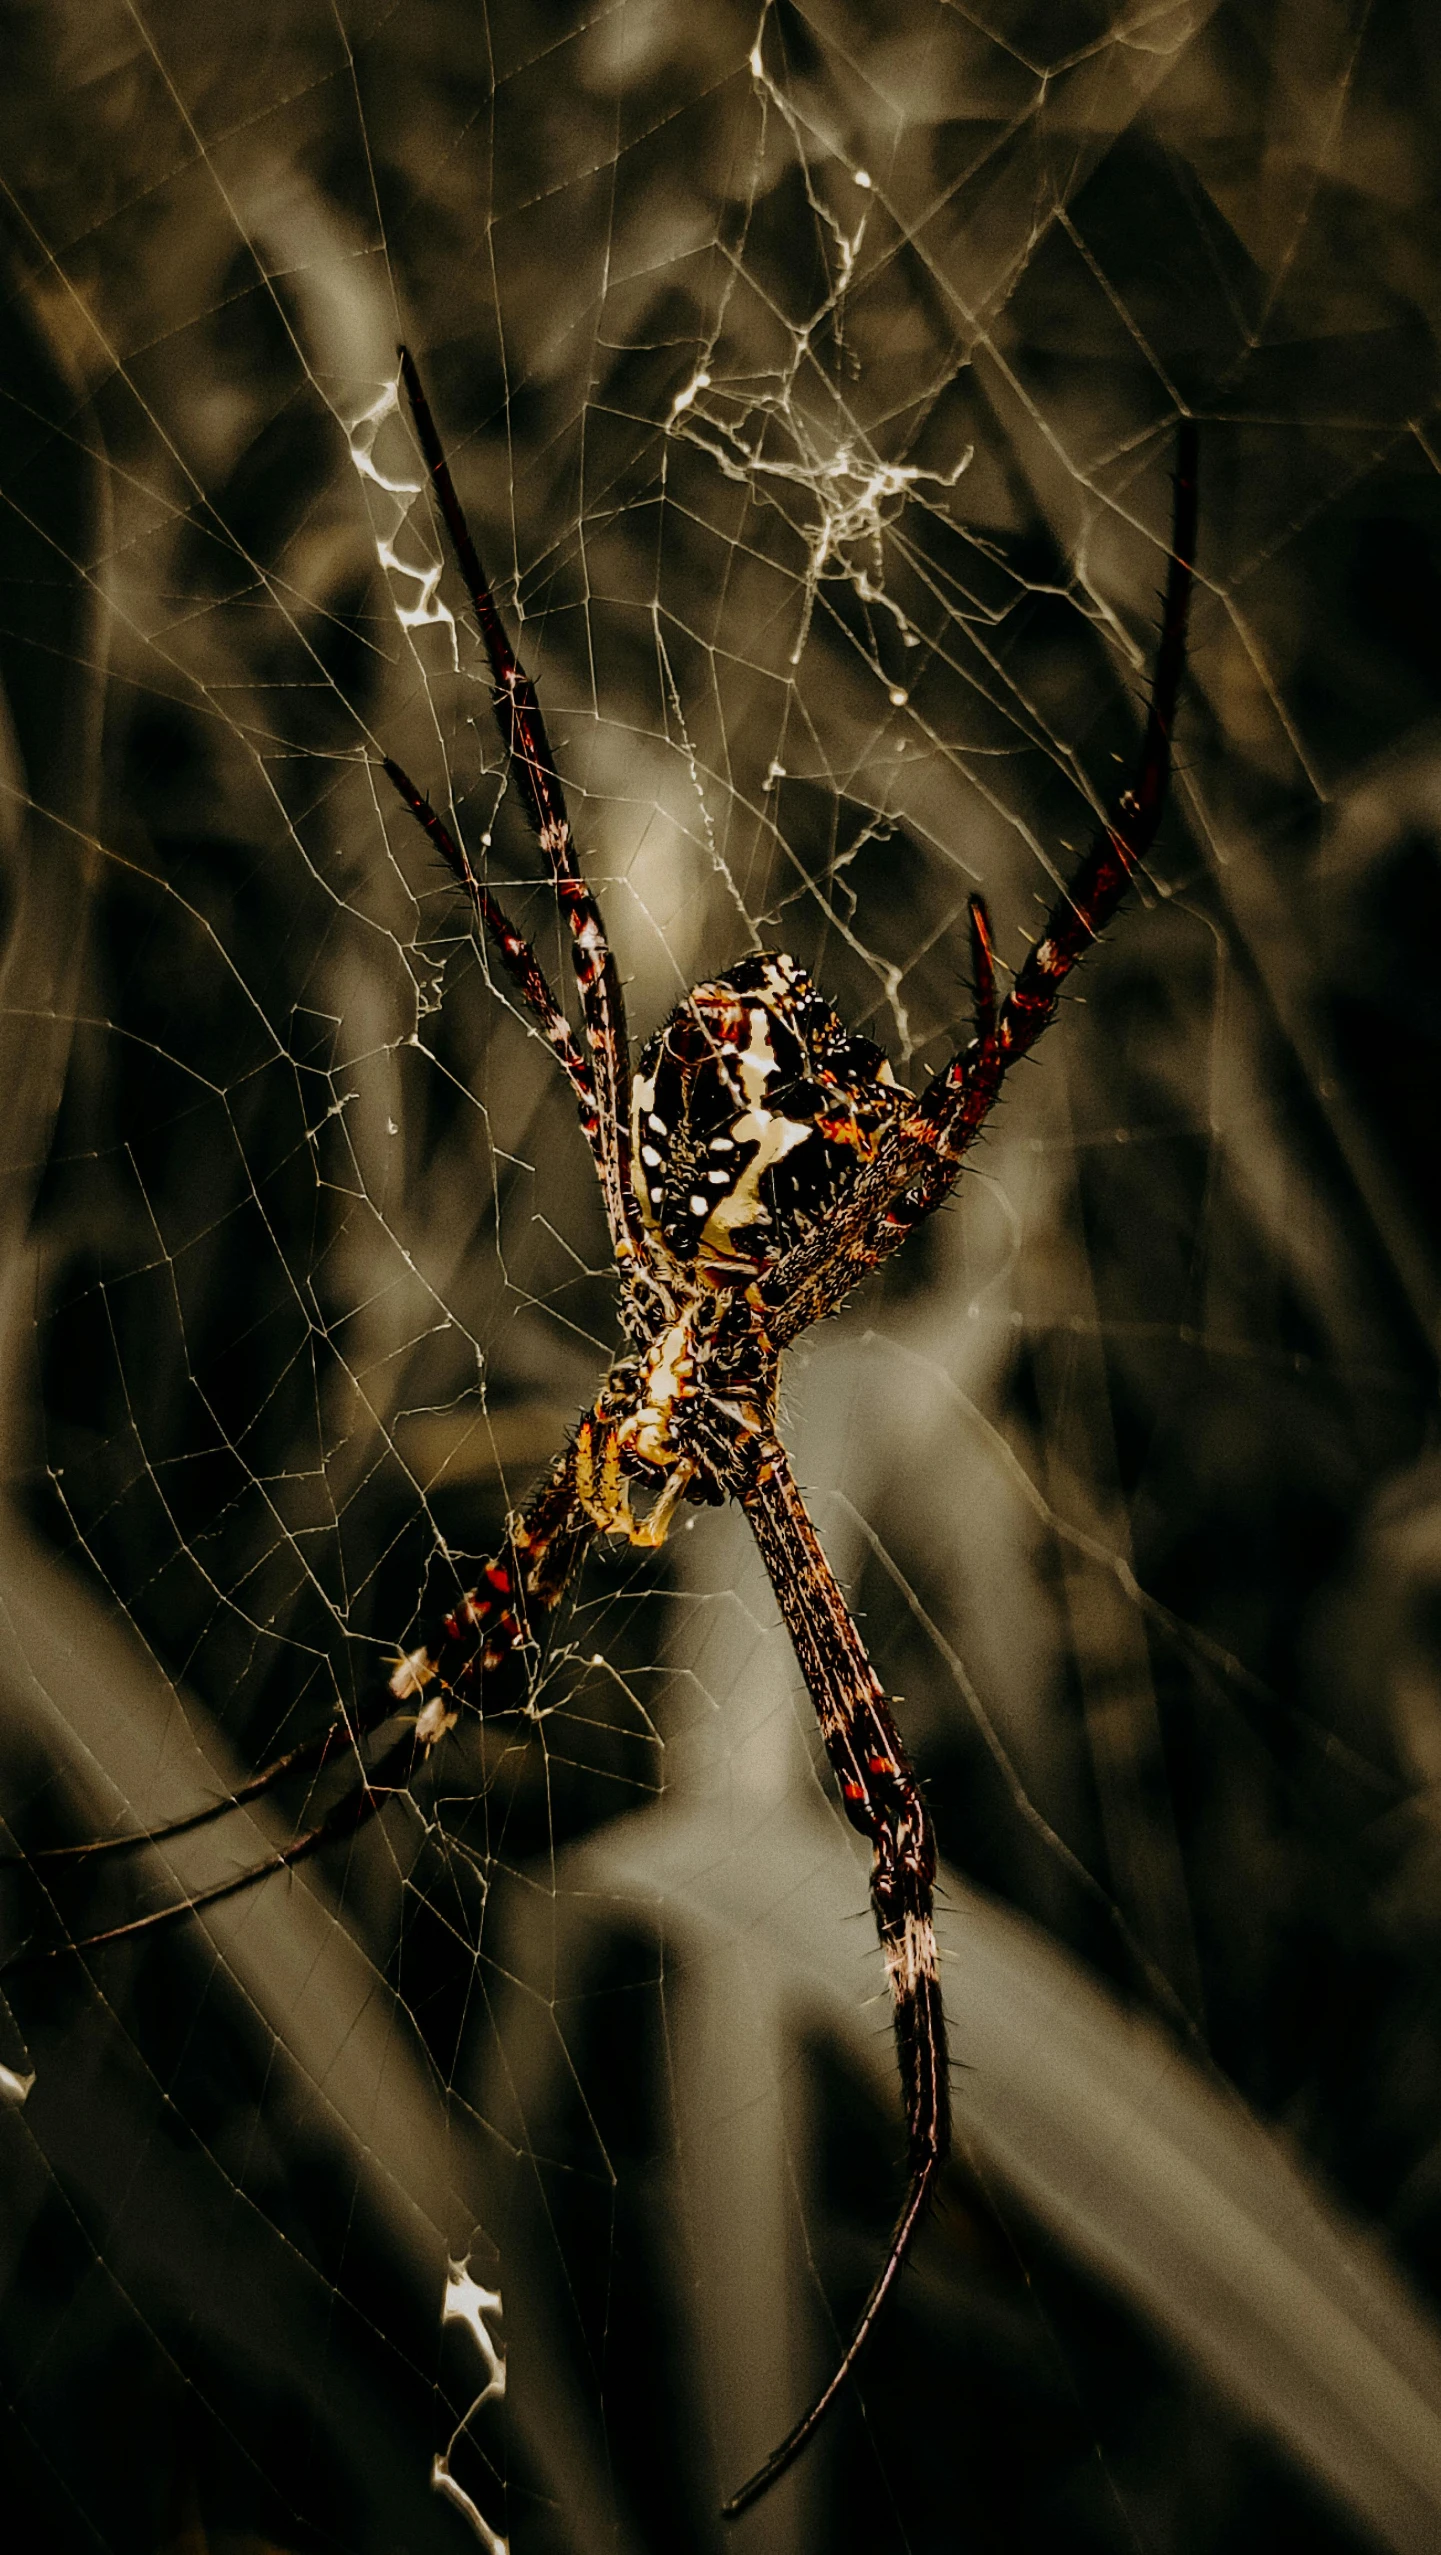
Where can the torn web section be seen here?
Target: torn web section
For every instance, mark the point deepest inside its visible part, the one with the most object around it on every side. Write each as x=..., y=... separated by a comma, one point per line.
x=791, y=438
x=383, y=456
x=477, y=2310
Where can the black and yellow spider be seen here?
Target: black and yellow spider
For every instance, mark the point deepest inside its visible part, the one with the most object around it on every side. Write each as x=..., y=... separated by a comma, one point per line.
x=755, y=1165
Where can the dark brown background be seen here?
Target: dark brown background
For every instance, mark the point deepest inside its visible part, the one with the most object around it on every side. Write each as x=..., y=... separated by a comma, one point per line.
x=1130, y=1463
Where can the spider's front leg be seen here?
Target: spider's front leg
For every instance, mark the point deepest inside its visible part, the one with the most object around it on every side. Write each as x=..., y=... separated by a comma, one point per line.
x=882, y=1799
x=603, y=1088
x=918, y=1162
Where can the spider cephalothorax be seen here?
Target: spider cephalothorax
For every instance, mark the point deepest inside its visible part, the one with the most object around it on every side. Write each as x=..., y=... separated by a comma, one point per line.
x=762, y=1162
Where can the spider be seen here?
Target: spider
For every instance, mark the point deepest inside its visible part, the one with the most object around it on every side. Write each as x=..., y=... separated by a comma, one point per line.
x=757, y=1162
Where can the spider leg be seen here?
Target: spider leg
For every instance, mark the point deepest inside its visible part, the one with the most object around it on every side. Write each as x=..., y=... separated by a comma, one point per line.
x=513, y=949
x=523, y=734
x=959, y=1096
x=347, y=1815
x=917, y=1166
x=881, y=1797
x=312, y=1751
x=528, y=1577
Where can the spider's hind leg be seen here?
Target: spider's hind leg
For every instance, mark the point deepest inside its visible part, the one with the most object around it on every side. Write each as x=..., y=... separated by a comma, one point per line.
x=309, y=1752
x=881, y=1797
x=528, y=1577
x=463, y=1647
x=348, y=1815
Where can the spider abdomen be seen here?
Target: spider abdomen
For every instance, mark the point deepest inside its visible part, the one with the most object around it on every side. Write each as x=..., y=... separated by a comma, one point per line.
x=754, y=1108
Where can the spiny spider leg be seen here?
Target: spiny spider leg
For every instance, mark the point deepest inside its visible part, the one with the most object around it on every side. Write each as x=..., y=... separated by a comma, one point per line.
x=513, y=949
x=347, y=1816
x=523, y=734
x=918, y=1164
x=528, y=1577
x=957, y=1098
x=311, y=1751
x=882, y=1799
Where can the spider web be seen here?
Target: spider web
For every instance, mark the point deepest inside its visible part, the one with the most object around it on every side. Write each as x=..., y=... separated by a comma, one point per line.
x=811, y=376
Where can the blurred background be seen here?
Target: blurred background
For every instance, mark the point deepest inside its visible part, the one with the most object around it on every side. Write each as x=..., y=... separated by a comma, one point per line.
x=811, y=375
